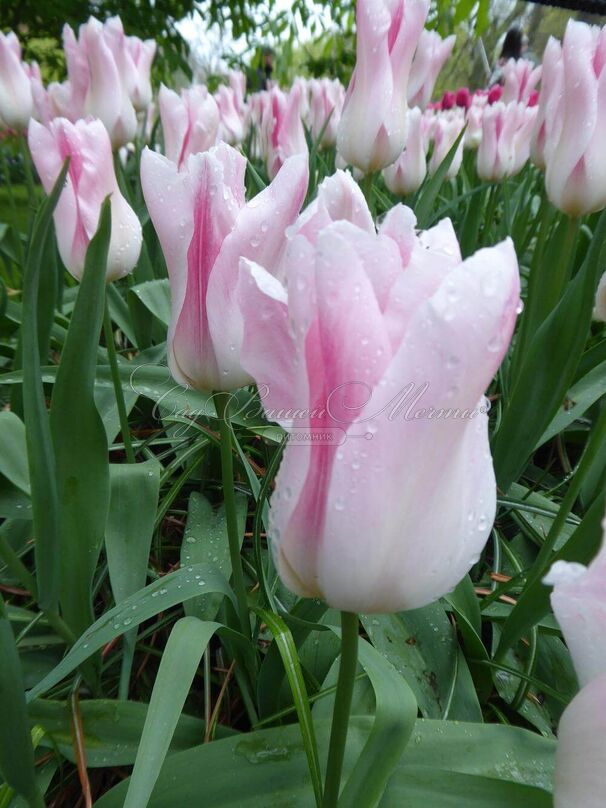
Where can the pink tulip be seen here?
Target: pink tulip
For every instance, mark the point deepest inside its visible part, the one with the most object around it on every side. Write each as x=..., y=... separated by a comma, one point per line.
x=326, y=103
x=237, y=82
x=372, y=130
x=366, y=322
x=575, y=175
x=463, y=98
x=67, y=98
x=552, y=79
x=286, y=136
x=190, y=122
x=90, y=180
x=136, y=57
x=520, y=77
x=473, y=131
x=231, y=123
x=448, y=100
x=107, y=96
x=406, y=175
x=204, y=225
x=505, y=145
x=579, y=604
x=494, y=94
x=429, y=59
x=16, y=102
x=447, y=128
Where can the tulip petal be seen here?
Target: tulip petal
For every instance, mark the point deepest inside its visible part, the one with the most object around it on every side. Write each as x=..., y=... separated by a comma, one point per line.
x=580, y=774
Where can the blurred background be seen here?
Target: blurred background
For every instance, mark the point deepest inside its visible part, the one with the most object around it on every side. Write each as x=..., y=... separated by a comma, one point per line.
x=200, y=39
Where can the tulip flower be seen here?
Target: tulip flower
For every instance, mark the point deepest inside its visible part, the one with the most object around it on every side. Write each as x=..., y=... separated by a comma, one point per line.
x=208, y=228
x=505, y=145
x=551, y=89
x=16, y=102
x=90, y=179
x=494, y=94
x=190, y=122
x=325, y=106
x=431, y=54
x=575, y=176
x=285, y=133
x=231, y=123
x=406, y=175
x=372, y=130
x=136, y=57
x=369, y=347
x=446, y=130
x=449, y=100
x=473, y=130
x=579, y=604
x=599, y=311
x=520, y=77
x=463, y=98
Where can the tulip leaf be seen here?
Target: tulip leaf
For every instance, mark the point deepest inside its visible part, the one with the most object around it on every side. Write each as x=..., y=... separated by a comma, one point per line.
x=170, y=590
x=13, y=459
x=16, y=751
x=79, y=439
x=205, y=541
x=549, y=367
x=430, y=189
x=155, y=296
x=40, y=452
x=443, y=758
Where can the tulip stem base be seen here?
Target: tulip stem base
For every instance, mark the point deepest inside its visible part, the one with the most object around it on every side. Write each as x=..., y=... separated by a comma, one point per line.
x=342, y=708
x=115, y=371
x=221, y=401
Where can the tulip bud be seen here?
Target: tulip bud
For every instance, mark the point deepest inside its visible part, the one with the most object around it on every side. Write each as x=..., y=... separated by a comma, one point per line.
x=575, y=176
x=232, y=125
x=406, y=175
x=209, y=228
x=135, y=56
x=551, y=89
x=505, y=145
x=107, y=95
x=90, y=179
x=372, y=131
x=379, y=327
x=286, y=136
x=446, y=130
x=520, y=77
x=579, y=604
x=431, y=54
x=16, y=102
x=326, y=102
x=190, y=122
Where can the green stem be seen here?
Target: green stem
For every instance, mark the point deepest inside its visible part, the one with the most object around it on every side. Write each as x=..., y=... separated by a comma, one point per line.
x=113, y=364
x=227, y=470
x=366, y=184
x=340, y=716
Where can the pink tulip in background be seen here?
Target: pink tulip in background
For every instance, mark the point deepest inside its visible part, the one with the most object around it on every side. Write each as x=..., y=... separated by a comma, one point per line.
x=579, y=604
x=285, y=134
x=108, y=77
x=520, y=77
x=446, y=129
x=90, y=180
x=190, y=122
x=372, y=130
x=430, y=56
x=505, y=144
x=406, y=175
x=575, y=131
x=208, y=227
x=599, y=311
x=231, y=121
x=16, y=101
x=326, y=98
x=372, y=319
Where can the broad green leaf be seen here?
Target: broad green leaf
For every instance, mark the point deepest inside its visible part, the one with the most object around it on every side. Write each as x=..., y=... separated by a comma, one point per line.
x=111, y=729
x=16, y=751
x=174, y=588
x=79, y=439
x=180, y=659
x=205, y=541
x=581, y=396
x=155, y=296
x=268, y=767
x=40, y=452
x=428, y=192
x=13, y=455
